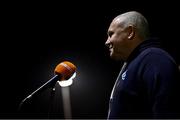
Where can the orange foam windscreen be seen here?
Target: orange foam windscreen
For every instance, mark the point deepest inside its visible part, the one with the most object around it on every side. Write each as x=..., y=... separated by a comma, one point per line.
x=65, y=70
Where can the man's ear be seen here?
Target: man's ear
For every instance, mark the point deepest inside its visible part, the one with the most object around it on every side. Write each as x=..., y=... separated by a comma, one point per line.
x=131, y=32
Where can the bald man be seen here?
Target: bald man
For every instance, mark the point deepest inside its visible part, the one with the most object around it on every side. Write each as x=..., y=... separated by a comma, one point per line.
x=148, y=84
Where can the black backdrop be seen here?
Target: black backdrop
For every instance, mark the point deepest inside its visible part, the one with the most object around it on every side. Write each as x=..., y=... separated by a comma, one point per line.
x=36, y=36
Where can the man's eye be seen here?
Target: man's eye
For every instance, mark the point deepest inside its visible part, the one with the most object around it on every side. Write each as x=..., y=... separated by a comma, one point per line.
x=110, y=34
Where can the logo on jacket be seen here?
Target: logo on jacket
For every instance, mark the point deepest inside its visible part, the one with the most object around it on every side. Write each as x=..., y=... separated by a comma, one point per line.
x=124, y=75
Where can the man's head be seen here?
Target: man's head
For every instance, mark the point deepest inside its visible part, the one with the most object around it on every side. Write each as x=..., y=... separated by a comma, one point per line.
x=125, y=33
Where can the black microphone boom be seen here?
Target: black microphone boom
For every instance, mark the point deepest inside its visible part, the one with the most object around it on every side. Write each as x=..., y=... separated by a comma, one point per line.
x=50, y=83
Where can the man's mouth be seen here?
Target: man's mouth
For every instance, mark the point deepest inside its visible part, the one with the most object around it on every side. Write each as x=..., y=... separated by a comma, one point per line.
x=110, y=47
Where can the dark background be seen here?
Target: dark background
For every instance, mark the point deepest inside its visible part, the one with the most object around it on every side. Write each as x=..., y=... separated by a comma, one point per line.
x=36, y=36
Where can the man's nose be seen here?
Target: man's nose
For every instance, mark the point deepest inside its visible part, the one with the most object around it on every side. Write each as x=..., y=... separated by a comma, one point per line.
x=107, y=43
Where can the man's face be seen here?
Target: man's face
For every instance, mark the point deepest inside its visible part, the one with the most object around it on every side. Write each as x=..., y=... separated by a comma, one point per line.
x=117, y=41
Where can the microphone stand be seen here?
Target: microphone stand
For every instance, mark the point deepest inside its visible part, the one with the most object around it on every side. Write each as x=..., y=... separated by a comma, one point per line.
x=51, y=83
x=51, y=101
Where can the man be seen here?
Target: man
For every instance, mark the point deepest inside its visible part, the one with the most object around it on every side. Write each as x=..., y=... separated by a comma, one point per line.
x=148, y=83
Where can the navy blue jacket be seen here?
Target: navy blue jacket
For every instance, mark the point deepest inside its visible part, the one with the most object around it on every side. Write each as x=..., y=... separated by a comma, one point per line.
x=149, y=86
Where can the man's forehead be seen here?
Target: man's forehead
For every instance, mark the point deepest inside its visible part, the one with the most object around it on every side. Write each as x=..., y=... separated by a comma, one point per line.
x=115, y=23
x=112, y=26
x=118, y=19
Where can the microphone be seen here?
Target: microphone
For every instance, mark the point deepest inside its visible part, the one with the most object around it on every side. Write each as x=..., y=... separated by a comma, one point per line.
x=63, y=71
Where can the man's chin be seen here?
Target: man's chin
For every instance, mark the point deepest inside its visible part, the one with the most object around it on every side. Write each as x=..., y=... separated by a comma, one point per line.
x=115, y=57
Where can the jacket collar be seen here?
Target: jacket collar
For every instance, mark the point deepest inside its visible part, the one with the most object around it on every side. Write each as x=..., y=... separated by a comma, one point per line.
x=152, y=42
